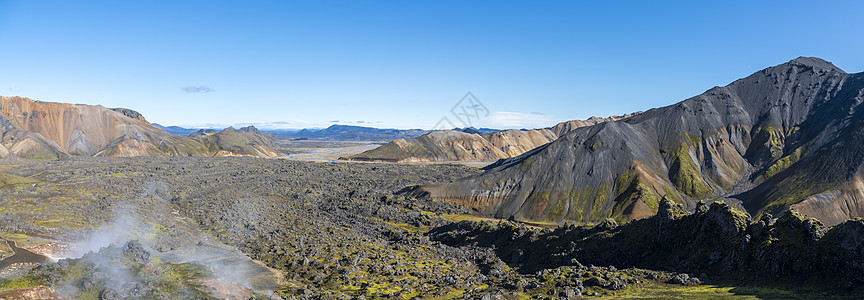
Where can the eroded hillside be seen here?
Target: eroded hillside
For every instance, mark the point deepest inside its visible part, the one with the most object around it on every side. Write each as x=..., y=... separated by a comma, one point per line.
x=50, y=131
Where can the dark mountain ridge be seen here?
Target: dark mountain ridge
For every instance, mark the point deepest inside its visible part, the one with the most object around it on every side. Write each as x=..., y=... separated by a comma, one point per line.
x=789, y=134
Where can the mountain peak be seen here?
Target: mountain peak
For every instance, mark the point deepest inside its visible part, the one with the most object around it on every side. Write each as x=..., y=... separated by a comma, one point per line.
x=249, y=129
x=813, y=62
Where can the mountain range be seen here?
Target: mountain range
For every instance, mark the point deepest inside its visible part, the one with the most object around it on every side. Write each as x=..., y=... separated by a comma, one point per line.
x=175, y=130
x=50, y=131
x=791, y=135
x=354, y=133
x=472, y=145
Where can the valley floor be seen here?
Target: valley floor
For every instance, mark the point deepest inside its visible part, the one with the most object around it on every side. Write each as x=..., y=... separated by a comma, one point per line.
x=281, y=229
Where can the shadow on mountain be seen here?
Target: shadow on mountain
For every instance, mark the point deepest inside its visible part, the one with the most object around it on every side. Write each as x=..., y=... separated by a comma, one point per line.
x=716, y=241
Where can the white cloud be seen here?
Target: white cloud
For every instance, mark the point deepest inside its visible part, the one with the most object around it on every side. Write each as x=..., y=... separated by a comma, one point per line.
x=196, y=89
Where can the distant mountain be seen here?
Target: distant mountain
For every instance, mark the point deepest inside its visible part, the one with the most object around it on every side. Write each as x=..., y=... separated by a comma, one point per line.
x=469, y=145
x=282, y=131
x=175, y=130
x=50, y=131
x=246, y=141
x=355, y=133
x=787, y=136
x=476, y=130
x=202, y=133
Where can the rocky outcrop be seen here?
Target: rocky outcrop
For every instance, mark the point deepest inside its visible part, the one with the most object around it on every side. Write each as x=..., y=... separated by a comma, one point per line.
x=715, y=239
x=50, y=131
x=764, y=142
x=469, y=145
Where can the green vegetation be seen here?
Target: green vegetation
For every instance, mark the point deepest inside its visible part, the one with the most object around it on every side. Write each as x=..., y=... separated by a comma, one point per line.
x=710, y=291
x=23, y=282
x=39, y=152
x=231, y=141
x=686, y=175
x=629, y=189
x=783, y=163
x=10, y=181
x=771, y=136
x=596, y=145
x=586, y=203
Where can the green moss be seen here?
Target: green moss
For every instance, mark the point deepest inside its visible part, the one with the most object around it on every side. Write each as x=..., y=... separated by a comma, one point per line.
x=783, y=163
x=695, y=141
x=183, y=146
x=773, y=137
x=40, y=153
x=409, y=227
x=231, y=141
x=622, y=182
x=655, y=290
x=174, y=279
x=629, y=189
x=542, y=197
x=23, y=282
x=686, y=176
x=596, y=145
x=558, y=210
x=587, y=204
x=673, y=195
x=8, y=180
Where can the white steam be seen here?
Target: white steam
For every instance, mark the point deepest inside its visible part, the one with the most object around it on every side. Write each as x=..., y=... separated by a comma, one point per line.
x=173, y=239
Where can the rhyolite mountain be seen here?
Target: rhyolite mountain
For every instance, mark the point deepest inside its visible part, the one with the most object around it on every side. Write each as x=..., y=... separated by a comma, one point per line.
x=471, y=145
x=50, y=131
x=791, y=135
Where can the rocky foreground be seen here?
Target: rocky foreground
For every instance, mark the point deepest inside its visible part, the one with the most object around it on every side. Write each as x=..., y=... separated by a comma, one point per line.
x=716, y=240
x=341, y=231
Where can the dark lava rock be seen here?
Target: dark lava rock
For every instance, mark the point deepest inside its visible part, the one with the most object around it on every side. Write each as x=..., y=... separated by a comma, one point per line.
x=91, y=281
x=135, y=252
x=109, y=294
x=684, y=279
x=570, y=293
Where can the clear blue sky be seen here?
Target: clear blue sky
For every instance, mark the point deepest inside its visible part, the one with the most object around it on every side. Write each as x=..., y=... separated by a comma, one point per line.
x=404, y=64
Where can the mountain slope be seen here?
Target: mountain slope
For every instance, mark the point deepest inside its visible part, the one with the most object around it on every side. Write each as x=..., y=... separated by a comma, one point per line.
x=246, y=141
x=49, y=131
x=451, y=145
x=784, y=135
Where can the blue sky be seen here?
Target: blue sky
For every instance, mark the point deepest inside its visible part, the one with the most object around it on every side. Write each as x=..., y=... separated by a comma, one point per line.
x=404, y=64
